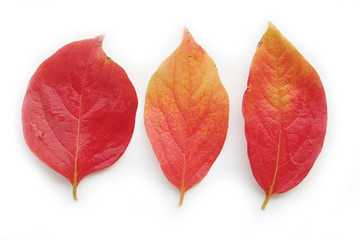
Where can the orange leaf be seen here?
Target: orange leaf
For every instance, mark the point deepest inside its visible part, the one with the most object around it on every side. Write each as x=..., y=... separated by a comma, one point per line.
x=186, y=114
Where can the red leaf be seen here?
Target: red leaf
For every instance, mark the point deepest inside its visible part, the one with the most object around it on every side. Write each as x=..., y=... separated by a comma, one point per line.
x=79, y=110
x=186, y=114
x=285, y=115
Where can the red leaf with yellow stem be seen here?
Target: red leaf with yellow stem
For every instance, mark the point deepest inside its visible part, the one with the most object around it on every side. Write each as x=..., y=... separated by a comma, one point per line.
x=285, y=114
x=79, y=111
x=186, y=114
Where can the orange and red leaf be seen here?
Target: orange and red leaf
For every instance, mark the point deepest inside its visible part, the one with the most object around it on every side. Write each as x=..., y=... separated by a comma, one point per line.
x=186, y=114
x=285, y=114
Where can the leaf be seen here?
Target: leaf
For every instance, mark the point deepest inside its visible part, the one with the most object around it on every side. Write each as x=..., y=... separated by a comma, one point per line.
x=186, y=114
x=285, y=114
x=79, y=110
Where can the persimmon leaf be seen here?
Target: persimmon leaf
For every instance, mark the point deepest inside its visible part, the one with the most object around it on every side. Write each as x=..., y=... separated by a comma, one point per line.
x=79, y=110
x=186, y=114
x=285, y=114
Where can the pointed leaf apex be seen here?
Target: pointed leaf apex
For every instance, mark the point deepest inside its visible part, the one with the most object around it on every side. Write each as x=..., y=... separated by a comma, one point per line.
x=188, y=39
x=187, y=35
x=186, y=31
x=99, y=39
x=272, y=26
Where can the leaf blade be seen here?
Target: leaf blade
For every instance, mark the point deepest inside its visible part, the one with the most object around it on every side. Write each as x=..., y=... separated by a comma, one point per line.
x=285, y=114
x=178, y=114
x=77, y=102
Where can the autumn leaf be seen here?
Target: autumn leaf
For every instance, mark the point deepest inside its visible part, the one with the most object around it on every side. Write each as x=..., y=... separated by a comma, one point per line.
x=79, y=111
x=186, y=114
x=285, y=114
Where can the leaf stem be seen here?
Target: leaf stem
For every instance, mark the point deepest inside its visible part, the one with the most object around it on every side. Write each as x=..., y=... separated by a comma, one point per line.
x=268, y=196
x=74, y=191
x=182, y=193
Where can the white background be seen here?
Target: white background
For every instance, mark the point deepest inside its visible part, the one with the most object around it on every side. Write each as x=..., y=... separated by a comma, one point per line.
x=132, y=199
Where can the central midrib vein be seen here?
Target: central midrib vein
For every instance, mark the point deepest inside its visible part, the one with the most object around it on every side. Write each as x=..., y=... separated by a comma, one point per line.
x=280, y=130
x=75, y=182
x=182, y=188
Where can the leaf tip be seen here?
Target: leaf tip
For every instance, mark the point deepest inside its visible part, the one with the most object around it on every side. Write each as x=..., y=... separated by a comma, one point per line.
x=186, y=31
x=99, y=39
x=187, y=37
x=271, y=25
x=273, y=32
x=188, y=40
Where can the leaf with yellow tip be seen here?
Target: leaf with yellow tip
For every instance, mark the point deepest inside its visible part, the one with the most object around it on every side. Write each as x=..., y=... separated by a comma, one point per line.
x=285, y=114
x=186, y=114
